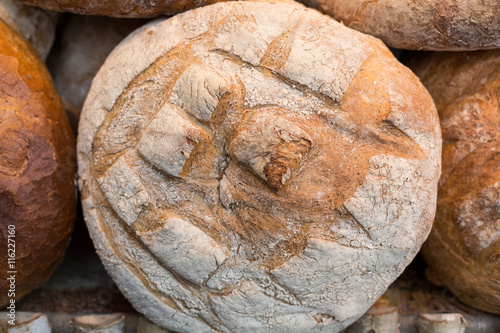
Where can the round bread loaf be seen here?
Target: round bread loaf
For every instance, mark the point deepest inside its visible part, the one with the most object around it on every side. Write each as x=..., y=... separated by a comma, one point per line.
x=36, y=25
x=463, y=250
x=37, y=168
x=82, y=46
x=254, y=167
x=421, y=25
x=120, y=8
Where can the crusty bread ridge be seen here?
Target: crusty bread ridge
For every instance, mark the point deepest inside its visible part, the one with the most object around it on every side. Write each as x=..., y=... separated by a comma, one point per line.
x=120, y=8
x=451, y=25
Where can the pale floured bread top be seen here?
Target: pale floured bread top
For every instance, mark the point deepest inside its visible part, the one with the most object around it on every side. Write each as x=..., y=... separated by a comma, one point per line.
x=256, y=167
x=423, y=24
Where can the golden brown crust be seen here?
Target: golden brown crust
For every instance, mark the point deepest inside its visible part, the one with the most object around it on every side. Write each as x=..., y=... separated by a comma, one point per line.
x=463, y=250
x=423, y=24
x=37, y=166
x=121, y=8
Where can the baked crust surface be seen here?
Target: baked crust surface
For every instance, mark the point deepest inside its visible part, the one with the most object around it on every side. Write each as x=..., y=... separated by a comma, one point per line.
x=451, y=25
x=463, y=250
x=37, y=166
x=256, y=166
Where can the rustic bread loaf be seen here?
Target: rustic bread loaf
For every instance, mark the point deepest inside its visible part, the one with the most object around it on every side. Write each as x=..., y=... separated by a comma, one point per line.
x=38, y=26
x=37, y=167
x=423, y=24
x=251, y=167
x=463, y=250
x=120, y=8
x=82, y=46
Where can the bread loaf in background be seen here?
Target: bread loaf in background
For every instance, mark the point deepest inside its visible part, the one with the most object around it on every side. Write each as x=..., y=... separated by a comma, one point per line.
x=121, y=8
x=35, y=24
x=463, y=249
x=82, y=45
x=37, y=167
x=256, y=167
x=451, y=25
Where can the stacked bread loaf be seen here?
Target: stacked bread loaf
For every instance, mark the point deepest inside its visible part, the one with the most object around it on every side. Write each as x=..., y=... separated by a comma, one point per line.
x=121, y=8
x=463, y=250
x=37, y=169
x=230, y=179
x=421, y=25
x=256, y=166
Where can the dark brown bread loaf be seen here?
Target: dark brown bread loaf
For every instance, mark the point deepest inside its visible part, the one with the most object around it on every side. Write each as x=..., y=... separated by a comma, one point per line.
x=120, y=8
x=463, y=249
x=422, y=24
x=37, y=167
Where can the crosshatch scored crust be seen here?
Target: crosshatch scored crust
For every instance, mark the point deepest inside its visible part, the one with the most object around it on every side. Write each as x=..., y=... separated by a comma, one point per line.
x=256, y=166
